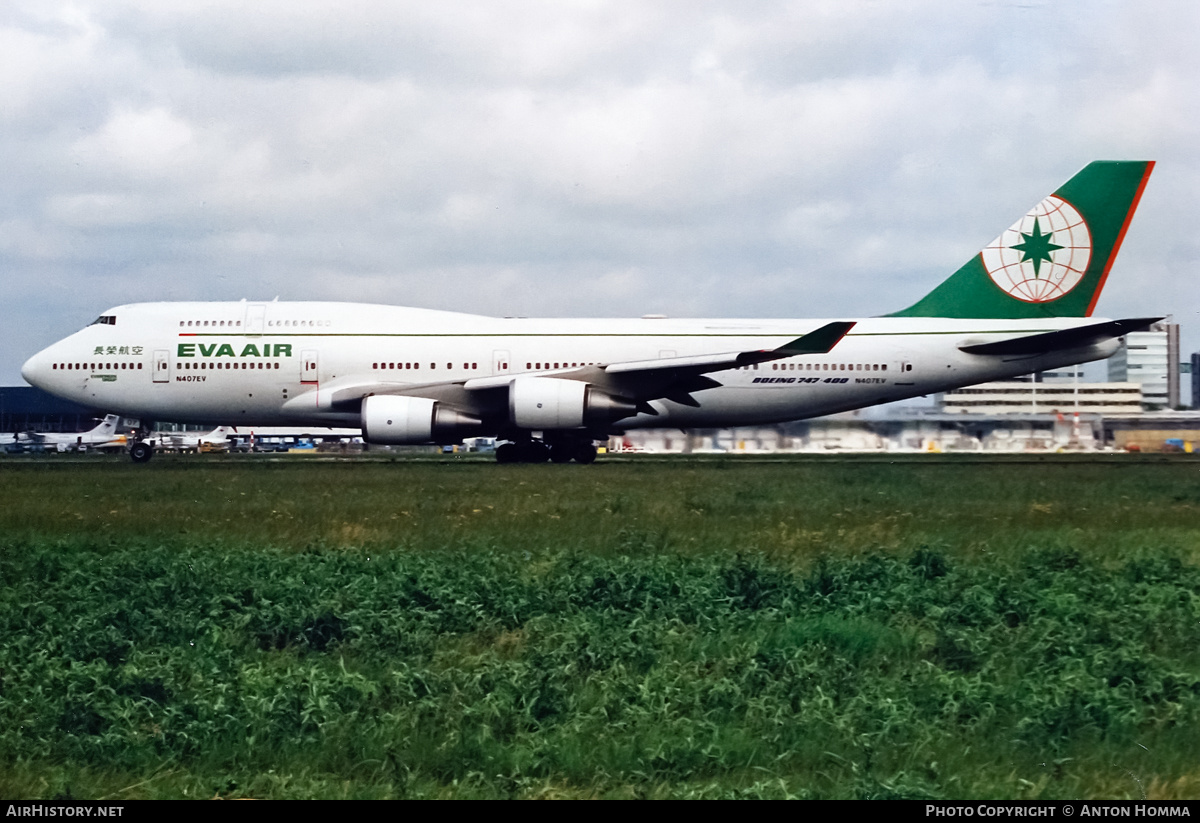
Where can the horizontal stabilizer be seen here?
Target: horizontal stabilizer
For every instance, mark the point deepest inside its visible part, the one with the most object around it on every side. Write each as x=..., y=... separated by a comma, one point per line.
x=1075, y=338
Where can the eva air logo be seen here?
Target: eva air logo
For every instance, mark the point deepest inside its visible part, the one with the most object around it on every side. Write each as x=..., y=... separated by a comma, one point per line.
x=1043, y=255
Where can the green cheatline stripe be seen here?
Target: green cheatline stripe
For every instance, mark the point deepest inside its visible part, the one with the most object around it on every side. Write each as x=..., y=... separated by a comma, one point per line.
x=961, y=331
x=782, y=335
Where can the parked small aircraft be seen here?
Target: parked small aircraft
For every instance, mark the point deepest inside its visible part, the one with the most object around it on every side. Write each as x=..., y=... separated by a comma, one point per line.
x=104, y=436
x=218, y=438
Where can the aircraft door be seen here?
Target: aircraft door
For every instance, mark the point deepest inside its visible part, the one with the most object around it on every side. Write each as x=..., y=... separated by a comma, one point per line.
x=904, y=367
x=255, y=312
x=500, y=362
x=162, y=365
x=308, y=368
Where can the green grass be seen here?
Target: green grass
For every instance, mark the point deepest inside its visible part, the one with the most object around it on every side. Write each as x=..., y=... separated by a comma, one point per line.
x=689, y=628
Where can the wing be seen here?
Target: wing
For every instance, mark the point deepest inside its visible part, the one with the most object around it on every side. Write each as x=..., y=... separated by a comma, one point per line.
x=639, y=381
x=676, y=378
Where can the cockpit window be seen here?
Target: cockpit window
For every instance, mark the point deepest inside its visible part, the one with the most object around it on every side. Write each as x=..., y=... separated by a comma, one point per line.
x=105, y=320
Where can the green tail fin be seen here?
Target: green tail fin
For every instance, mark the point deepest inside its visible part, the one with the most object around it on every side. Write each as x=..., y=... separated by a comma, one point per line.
x=1053, y=261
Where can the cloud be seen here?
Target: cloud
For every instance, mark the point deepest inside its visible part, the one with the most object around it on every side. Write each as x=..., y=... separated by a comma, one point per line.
x=590, y=158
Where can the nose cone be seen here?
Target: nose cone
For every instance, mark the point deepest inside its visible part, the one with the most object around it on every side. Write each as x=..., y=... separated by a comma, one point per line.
x=34, y=370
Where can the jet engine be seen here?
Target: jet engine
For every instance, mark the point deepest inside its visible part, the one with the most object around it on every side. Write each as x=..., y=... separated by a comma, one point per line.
x=392, y=420
x=553, y=403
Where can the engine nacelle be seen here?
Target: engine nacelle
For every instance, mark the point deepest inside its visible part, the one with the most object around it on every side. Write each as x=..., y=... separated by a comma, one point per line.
x=392, y=420
x=542, y=403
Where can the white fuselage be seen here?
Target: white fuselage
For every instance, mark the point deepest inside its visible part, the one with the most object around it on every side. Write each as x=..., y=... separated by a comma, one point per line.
x=270, y=363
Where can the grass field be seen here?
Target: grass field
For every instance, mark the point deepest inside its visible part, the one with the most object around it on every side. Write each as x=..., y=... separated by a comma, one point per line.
x=814, y=628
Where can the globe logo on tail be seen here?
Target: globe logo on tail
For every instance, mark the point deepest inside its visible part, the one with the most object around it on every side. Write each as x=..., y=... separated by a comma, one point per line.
x=1042, y=256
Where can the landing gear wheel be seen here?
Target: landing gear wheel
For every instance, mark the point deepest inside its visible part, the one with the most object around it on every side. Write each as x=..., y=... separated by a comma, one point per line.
x=507, y=453
x=141, y=452
x=561, y=453
x=538, y=451
x=585, y=453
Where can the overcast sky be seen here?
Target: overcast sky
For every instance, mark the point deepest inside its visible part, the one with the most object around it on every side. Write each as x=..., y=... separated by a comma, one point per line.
x=807, y=159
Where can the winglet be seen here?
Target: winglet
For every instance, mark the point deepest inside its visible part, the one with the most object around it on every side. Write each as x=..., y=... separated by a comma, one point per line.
x=820, y=341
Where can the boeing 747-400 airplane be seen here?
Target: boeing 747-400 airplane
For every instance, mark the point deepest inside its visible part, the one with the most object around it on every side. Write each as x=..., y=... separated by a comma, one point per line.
x=551, y=387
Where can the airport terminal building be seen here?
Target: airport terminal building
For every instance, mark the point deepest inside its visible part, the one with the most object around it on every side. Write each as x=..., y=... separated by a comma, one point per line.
x=24, y=408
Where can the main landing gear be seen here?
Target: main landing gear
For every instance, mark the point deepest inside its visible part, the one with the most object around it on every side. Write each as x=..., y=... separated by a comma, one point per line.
x=539, y=451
